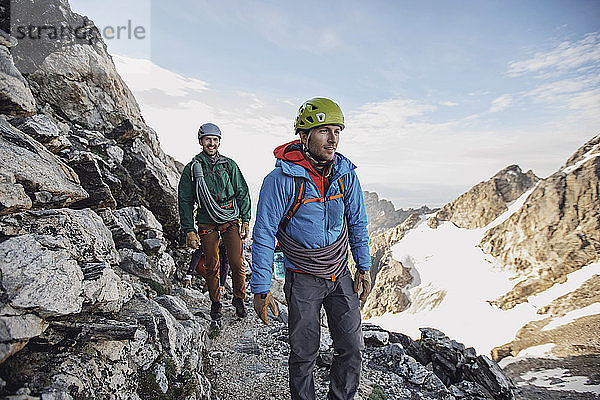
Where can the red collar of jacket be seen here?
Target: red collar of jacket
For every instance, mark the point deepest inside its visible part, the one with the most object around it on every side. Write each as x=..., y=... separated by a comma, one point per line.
x=292, y=152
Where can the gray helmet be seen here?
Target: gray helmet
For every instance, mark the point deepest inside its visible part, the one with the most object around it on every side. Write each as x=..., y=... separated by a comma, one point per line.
x=209, y=130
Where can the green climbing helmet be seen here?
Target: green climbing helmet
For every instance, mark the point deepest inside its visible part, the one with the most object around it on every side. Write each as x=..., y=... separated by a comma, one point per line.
x=316, y=112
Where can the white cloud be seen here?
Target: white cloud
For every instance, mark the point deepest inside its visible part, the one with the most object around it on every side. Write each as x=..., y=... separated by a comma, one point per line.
x=501, y=103
x=566, y=56
x=448, y=104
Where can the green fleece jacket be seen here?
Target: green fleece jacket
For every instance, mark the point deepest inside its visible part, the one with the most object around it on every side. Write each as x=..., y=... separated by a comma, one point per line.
x=224, y=181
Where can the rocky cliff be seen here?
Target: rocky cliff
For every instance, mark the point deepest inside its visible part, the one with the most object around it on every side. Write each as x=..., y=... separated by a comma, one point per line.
x=73, y=101
x=557, y=231
x=87, y=226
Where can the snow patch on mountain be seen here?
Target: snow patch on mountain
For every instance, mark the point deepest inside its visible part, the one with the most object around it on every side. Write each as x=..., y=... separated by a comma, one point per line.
x=455, y=282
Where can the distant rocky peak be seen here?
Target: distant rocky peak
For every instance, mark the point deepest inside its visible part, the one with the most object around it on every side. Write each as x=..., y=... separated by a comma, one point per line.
x=511, y=182
x=382, y=215
x=485, y=201
x=586, y=152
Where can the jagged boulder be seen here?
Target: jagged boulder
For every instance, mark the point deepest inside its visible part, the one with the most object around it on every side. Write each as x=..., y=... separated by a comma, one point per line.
x=80, y=82
x=84, y=236
x=74, y=81
x=16, y=98
x=556, y=231
x=486, y=200
x=44, y=177
x=157, y=180
x=43, y=129
x=87, y=167
x=455, y=370
x=13, y=198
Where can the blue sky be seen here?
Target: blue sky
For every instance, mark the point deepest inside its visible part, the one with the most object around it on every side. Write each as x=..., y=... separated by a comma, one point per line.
x=438, y=95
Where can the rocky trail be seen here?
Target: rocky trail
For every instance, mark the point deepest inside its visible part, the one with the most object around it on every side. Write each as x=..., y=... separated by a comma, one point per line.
x=246, y=359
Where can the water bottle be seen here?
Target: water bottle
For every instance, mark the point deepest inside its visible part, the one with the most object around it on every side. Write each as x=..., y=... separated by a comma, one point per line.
x=278, y=268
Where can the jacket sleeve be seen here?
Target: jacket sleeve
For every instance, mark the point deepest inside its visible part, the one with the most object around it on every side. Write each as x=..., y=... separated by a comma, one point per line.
x=242, y=194
x=356, y=215
x=269, y=211
x=186, y=198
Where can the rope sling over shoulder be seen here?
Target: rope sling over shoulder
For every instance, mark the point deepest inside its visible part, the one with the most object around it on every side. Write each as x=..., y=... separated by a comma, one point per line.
x=324, y=262
x=218, y=214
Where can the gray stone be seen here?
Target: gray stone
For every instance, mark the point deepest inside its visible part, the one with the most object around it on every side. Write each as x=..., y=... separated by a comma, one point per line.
x=158, y=268
x=157, y=179
x=79, y=232
x=164, y=331
x=175, y=305
x=20, y=327
x=489, y=375
x=82, y=84
x=107, y=293
x=374, y=338
x=13, y=198
x=94, y=328
x=87, y=167
x=122, y=232
x=16, y=98
x=192, y=298
x=138, y=219
x=7, y=40
x=43, y=129
x=161, y=378
x=40, y=279
x=37, y=169
x=152, y=245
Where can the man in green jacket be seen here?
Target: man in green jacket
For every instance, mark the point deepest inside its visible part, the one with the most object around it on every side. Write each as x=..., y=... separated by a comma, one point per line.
x=217, y=185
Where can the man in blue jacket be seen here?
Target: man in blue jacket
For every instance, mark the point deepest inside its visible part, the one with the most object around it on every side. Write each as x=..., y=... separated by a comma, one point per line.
x=312, y=204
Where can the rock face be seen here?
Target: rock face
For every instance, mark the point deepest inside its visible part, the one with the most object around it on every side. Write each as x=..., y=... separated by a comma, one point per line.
x=16, y=98
x=101, y=132
x=47, y=180
x=557, y=231
x=85, y=304
x=486, y=200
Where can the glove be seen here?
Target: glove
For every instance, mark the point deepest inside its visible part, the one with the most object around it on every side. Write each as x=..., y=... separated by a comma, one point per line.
x=362, y=278
x=261, y=301
x=192, y=240
x=244, y=230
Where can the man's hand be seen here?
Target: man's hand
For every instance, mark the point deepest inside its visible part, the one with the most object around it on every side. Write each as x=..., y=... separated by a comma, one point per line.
x=244, y=230
x=362, y=278
x=261, y=302
x=192, y=240
x=187, y=281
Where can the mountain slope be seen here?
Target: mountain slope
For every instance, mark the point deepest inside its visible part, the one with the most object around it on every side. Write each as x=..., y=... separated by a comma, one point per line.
x=556, y=232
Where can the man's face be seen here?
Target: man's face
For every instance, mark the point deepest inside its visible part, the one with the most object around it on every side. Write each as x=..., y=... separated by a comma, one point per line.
x=323, y=141
x=210, y=144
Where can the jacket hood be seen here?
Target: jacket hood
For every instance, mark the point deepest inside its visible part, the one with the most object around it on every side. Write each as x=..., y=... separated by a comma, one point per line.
x=290, y=158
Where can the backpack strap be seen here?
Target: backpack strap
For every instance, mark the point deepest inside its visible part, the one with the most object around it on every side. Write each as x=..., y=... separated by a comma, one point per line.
x=299, y=191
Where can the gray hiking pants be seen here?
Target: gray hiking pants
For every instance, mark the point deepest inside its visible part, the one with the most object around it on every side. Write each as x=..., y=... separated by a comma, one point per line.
x=305, y=294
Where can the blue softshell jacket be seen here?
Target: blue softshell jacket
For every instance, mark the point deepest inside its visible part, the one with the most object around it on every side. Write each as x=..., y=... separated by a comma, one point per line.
x=315, y=224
